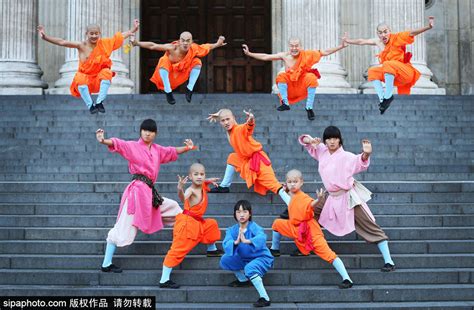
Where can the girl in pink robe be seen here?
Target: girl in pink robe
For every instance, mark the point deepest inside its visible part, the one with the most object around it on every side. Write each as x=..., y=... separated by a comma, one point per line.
x=138, y=210
x=346, y=209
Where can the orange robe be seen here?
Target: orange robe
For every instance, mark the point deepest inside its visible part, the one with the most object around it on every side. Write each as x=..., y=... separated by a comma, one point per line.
x=97, y=66
x=303, y=228
x=251, y=161
x=191, y=229
x=300, y=76
x=396, y=61
x=179, y=71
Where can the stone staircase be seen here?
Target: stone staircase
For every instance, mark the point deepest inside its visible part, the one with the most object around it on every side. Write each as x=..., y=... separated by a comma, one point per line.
x=60, y=190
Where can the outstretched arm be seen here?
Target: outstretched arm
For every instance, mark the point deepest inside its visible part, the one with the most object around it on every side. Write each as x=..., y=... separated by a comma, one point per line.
x=262, y=56
x=100, y=135
x=430, y=25
x=153, y=46
x=220, y=42
x=132, y=31
x=57, y=41
x=189, y=145
x=330, y=51
x=358, y=41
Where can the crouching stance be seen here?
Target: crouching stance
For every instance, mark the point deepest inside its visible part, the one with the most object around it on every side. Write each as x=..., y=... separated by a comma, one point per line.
x=246, y=253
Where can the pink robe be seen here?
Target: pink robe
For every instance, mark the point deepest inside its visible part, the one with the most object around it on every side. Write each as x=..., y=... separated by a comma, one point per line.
x=336, y=171
x=142, y=160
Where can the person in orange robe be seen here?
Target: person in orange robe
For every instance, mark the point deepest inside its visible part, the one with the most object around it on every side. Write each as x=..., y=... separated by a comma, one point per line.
x=395, y=68
x=94, y=74
x=248, y=158
x=191, y=228
x=303, y=228
x=300, y=79
x=179, y=63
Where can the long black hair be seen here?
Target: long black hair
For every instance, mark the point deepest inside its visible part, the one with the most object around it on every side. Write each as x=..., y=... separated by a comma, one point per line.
x=245, y=206
x=332, y=132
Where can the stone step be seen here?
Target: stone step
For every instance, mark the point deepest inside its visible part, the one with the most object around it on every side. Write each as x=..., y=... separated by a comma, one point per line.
x=224, y=208
x=97, y=234
x=89, y=221
x=289, y=278
x=81, y=247
x=222, y=294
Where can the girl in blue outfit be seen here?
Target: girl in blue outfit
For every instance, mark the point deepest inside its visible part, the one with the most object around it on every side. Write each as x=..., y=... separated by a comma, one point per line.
x=246, y=252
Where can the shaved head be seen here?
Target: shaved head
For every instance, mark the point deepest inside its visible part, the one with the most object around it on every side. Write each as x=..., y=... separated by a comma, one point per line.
x=294, y=40
x=382, y=26
x=93, y=27
x=224, y=113
x=196, y=167
x=294, y=173
x=186, y=35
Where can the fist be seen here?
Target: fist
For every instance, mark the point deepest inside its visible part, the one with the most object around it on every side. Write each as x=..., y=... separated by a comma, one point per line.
x=245, y=48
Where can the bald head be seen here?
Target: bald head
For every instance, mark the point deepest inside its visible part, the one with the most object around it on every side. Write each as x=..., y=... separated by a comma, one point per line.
x=294, y=40
x=196, y=167
x=295, y=46
x=294, y=173
x=382, y=26
x=93, y=27
x=186, y=35
x=225, y=113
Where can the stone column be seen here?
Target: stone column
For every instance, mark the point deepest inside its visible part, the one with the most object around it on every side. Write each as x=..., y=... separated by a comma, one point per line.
x=19, y=70
x=317, y=24
x=106, y=13
x=408, y=15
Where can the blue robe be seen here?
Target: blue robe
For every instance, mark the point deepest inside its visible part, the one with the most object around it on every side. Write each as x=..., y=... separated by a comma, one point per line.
x=254, y=258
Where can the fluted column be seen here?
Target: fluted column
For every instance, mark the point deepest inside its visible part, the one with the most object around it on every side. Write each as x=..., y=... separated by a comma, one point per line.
x=317, y=24
x=409, y=15
x=19, y=70
x=106, y=13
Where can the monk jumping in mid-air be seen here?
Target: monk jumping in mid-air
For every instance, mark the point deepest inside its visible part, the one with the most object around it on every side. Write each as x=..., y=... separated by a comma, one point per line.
x=395, y=68
x=300, y=79
x=94, y=74
x=179, y=63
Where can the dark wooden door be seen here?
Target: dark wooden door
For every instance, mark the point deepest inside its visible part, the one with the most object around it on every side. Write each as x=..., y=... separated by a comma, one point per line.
x=225, y=69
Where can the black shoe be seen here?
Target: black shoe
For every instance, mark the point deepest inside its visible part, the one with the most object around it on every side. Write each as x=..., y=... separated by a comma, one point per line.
x=219, y=189
x=285, y=215
x=261, y=302
x=111, y=268
x=283, y=107
x=385, y=104
x=387, y=268
x=216, y=253
x=298, y=253
x=345, y=284
x=237, y=283
x=169, y=284
x=100, y=107
x=310, y=114
x=93, y=109
x=170, y=98
x=189, y=95
x=275, y=253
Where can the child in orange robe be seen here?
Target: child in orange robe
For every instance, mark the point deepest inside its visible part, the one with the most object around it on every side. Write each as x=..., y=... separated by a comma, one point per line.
x=303, y=228
x=191, y=228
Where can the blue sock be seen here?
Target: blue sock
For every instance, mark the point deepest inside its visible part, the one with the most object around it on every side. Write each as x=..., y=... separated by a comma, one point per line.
x=339, y=265
x=165, y=274
x=276, y=237
x=378, y=89
x=283, y=88
x=166, y=80
x=284, y=195
x=85, y=95
x=258, y=283
x=211, y=247
x=109, y=253
x=383, y=247
x=389, y=79
x=310, y=98
x=193, y=76
x=240, y=276
x=228, y=176
x=104, y=88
